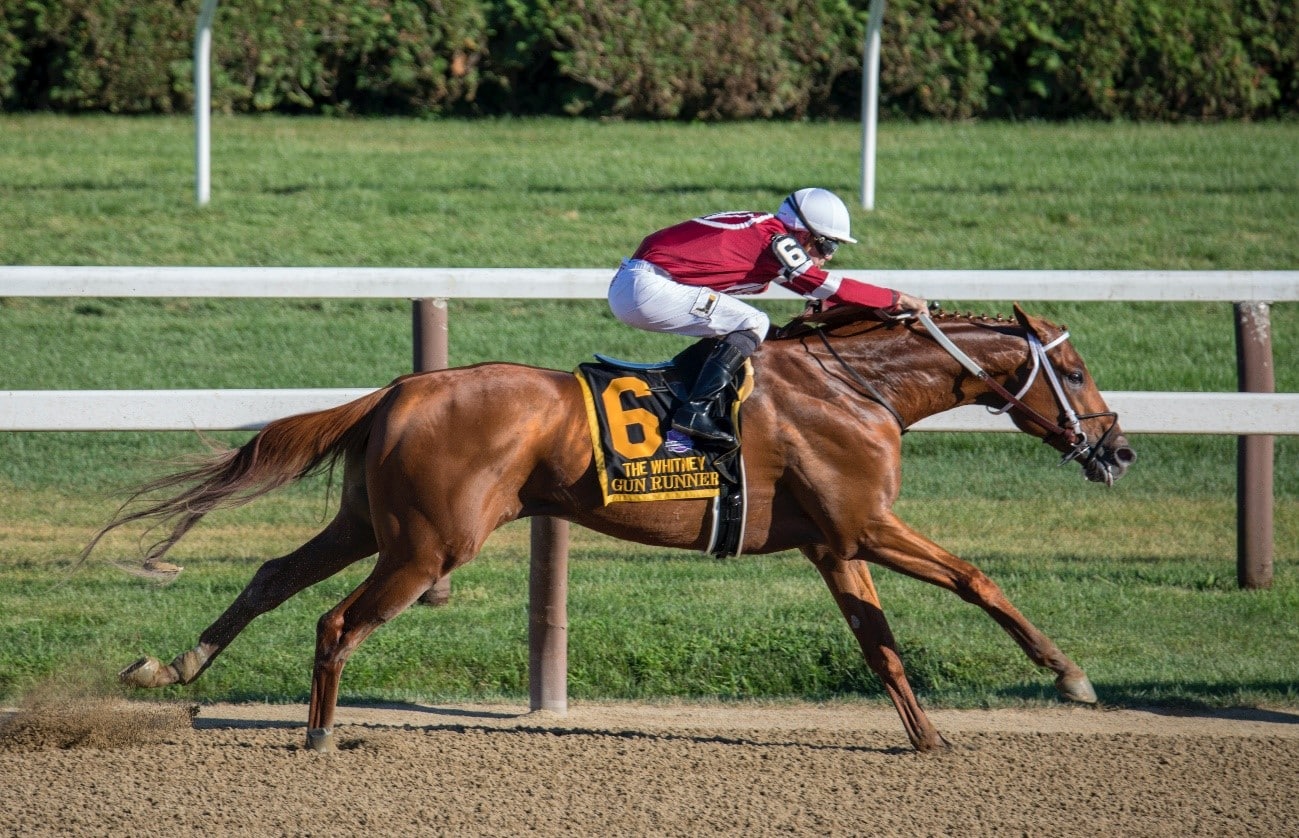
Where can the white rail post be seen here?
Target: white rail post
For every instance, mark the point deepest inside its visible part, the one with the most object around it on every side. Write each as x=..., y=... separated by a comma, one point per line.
x=870, y=96
x=203, y=103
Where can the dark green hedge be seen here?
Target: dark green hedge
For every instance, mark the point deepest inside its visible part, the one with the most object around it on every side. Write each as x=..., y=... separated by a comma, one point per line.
x=1136, y=59
x=680, y=59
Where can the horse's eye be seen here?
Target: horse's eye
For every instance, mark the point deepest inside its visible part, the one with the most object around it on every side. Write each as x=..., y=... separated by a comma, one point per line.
x=1075, y=377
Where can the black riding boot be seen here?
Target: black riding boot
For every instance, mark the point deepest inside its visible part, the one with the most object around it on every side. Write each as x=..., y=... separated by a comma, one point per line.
x=694, y=417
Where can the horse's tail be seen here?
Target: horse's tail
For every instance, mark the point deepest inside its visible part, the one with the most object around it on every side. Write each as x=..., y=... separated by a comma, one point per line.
x=284, y=451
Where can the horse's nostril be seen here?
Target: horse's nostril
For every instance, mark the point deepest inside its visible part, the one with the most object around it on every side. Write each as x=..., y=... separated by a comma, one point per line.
x=1125, y=456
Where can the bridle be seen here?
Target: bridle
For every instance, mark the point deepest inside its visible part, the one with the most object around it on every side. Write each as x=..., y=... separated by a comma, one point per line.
x=1081, y=448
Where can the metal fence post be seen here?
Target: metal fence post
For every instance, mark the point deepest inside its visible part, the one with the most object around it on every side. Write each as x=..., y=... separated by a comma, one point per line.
x=429, y=343
x=1254, y=454
x=548, y=616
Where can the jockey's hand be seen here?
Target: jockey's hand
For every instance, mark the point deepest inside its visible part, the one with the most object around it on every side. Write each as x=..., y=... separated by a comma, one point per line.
x=909, y=304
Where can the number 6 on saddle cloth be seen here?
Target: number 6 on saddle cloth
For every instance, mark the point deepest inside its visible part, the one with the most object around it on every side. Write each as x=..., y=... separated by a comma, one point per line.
x=640, y=457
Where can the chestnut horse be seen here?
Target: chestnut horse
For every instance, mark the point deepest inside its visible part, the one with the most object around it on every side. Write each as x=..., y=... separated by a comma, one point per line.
x=434, y=462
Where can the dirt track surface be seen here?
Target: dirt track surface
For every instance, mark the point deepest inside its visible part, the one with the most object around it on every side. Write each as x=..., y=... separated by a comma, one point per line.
x=107, y=767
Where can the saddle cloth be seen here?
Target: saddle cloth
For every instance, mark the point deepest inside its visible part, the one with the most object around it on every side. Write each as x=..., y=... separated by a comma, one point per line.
x=639, y=456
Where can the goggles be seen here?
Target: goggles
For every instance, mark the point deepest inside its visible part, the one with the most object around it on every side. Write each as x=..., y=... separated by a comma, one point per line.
x=826, y=247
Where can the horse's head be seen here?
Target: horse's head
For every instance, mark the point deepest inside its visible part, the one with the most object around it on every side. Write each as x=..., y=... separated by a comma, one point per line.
x=1050, y=395
x=1055, y=384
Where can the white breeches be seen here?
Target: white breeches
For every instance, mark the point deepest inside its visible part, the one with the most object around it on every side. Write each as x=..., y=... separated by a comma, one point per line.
x=645, y=296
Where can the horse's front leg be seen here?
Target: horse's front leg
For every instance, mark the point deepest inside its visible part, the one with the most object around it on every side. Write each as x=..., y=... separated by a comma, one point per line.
x=893, y=544
x=854, y=592
x=346, y=540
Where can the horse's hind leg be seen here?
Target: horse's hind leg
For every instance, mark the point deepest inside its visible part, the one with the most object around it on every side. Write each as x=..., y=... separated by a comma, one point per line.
x=390, y=589
x=347, y=539
x=855, y=594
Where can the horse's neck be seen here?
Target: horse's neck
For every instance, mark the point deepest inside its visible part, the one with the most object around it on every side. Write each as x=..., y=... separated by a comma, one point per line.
x=928, y=380
x=914, y=373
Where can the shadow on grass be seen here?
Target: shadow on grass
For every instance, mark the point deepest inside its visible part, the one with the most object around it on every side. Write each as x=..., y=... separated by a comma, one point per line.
x=1028, y=188
x=1240, y=714
x=1202, y=700
x=84, y=186
x=1181, y=700
x=289, y=189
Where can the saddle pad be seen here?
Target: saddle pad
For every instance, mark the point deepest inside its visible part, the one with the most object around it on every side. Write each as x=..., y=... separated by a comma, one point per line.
x=638, y=456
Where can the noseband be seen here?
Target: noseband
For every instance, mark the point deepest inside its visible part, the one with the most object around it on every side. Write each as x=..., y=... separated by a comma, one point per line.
x=1072, y=434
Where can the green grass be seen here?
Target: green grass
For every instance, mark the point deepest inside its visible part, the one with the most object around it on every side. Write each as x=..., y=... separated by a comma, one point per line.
x=1151, y=621
x=1137, y=583
x=567, y=193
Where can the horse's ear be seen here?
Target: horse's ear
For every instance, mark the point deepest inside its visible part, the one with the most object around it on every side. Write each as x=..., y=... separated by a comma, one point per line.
x=1034, y=324
x=1046, y=331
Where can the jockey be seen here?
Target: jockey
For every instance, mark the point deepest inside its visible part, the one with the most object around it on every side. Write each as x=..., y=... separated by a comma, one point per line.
x=680, y=280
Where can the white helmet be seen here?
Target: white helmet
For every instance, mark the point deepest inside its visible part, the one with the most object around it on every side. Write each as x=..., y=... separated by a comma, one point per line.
x=818, y=210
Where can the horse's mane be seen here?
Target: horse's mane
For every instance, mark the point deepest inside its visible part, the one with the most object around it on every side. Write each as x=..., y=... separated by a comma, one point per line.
x=841, y=316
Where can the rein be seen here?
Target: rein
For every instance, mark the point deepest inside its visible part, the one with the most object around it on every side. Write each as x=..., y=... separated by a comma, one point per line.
x=1071, y=432
x=1073, y=435
x=871, y=391
x=1038, y=353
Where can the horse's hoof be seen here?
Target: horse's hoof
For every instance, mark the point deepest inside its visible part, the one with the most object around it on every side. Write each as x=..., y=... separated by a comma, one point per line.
x=935, y=744
x=1076, y=688
x=145, y=673
x=320, y=739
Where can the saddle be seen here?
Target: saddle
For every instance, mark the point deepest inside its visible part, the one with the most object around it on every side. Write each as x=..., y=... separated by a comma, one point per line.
x=640, y=457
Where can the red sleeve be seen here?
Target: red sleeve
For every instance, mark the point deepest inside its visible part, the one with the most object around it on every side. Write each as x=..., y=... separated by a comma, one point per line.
x=864, y=294
x=815, y=283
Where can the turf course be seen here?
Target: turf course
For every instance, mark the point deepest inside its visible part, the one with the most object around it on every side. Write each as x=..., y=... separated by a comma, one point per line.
x=1137, y=583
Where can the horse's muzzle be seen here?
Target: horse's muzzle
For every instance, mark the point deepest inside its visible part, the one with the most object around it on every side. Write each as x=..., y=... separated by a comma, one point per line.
x=1108, y=460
